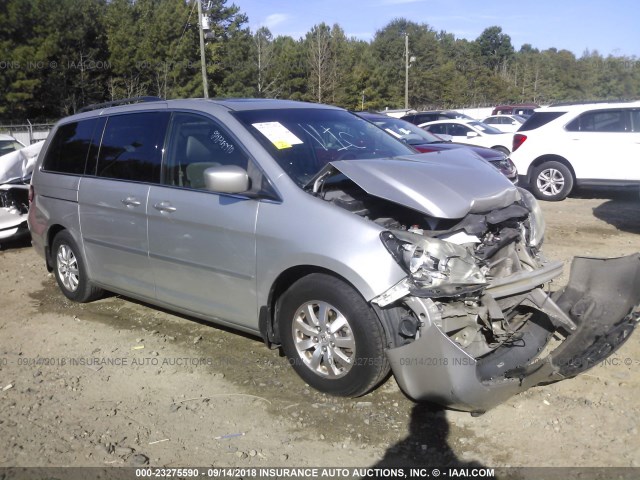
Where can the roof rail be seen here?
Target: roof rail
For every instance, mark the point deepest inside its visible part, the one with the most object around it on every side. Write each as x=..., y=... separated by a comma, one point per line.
x=124, y=101
x=588, y=102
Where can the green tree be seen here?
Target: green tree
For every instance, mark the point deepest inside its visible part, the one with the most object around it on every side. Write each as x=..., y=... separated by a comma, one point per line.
x=264, y=59
x=291, y=66
x=495, y=48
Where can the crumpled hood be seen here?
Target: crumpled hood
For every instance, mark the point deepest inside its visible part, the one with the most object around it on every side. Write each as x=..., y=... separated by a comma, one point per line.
x=446, y=184
x=18, y=165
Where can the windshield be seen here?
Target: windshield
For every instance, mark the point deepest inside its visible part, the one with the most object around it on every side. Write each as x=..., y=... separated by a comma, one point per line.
x=8, y=146
x=484, y=128
x=404, y=130
x=462, y=115
x=304, y=140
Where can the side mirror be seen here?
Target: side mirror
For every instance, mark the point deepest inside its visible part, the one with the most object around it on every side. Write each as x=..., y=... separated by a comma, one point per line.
x=472, y=134
x=226, y=179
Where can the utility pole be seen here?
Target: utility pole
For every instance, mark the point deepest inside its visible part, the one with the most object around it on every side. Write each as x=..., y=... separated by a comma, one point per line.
x=205, y=84
x=406, y=70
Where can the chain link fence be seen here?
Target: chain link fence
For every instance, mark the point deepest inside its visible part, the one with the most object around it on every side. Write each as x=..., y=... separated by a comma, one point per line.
x=27, y=133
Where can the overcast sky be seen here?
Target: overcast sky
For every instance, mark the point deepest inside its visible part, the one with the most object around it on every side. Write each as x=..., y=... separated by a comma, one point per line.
x=611, y=27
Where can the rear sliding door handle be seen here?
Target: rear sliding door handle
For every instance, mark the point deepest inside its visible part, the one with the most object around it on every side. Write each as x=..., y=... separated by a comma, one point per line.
x=164, y=207
x=130, y=202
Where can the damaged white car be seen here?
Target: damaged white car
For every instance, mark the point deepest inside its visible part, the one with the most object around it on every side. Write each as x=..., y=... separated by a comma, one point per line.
x=323, y=234
x=15, y=174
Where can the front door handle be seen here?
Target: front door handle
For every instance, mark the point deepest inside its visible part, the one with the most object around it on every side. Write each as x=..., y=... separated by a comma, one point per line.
x=130, y=202
x=165, y=207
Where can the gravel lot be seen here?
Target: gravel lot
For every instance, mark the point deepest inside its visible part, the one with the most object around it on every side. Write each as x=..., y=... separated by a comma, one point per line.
x=122, y=383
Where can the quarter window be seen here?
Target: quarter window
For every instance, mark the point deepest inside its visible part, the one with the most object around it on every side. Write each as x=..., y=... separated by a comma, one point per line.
x=69, y=148
x=132, y=146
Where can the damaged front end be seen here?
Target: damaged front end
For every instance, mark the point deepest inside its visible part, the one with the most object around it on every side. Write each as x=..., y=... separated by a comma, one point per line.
x=474, y=352
x=472, y=323
x=478, y=325
x=13, y=211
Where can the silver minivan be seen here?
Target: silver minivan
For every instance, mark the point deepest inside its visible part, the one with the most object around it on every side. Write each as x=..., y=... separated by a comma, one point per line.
x=328, y=237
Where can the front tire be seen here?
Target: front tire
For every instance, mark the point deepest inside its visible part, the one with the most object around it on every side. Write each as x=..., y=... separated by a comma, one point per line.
x=331, y=336
x=551, y=181
x=70, y=270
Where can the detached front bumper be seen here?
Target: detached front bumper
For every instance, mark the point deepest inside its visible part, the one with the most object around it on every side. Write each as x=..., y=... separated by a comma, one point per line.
x=602, y=298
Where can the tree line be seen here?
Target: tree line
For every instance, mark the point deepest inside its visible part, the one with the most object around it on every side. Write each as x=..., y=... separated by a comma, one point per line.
x=57, y=56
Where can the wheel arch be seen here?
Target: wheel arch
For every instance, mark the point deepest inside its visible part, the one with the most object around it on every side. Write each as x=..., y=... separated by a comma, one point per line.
x=549, y=158
x=51, y=234
x=268, y=324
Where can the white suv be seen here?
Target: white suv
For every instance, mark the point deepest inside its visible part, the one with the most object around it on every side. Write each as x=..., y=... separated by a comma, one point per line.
x=587, y=144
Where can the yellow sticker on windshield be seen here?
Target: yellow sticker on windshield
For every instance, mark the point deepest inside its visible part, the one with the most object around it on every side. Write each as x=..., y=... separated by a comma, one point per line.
x=280, y=144
x=278, y=134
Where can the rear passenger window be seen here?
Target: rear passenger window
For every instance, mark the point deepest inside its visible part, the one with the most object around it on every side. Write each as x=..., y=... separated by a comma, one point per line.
x=69, y=147
x=132, y=146
x=599, y=121
x=195, y=144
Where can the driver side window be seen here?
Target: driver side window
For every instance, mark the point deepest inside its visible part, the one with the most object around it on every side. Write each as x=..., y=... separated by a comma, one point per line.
x=195, y=144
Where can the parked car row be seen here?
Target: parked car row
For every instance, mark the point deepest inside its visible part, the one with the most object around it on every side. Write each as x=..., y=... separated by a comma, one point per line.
x=472, y=132
x=521, y=109
x=559, y=147
x=424, y=141
x=505, y=123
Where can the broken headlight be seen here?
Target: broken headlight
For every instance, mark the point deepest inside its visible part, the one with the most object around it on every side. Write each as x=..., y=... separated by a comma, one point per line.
x=432, y=262
x=536, y=219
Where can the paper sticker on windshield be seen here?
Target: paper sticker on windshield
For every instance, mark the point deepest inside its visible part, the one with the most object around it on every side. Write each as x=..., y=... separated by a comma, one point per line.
x=278, y=134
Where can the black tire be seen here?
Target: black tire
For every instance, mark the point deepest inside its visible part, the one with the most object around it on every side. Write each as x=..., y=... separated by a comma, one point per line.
x=70, y=271
x=551, y=181
x=502, y=149
x=318, y=293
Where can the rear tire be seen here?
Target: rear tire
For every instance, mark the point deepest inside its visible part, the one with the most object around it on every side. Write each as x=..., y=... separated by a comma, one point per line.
x=70, y=271
x=551, y=181
x=331, y=336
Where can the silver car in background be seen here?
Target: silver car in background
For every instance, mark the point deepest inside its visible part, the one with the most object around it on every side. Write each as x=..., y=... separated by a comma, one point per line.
x=319, y=232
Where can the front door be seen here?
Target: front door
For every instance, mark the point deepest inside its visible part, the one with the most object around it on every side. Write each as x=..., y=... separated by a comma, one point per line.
x=202, y=245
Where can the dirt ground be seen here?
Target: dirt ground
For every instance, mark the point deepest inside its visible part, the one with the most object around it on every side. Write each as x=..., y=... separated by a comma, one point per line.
x=116, y=382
